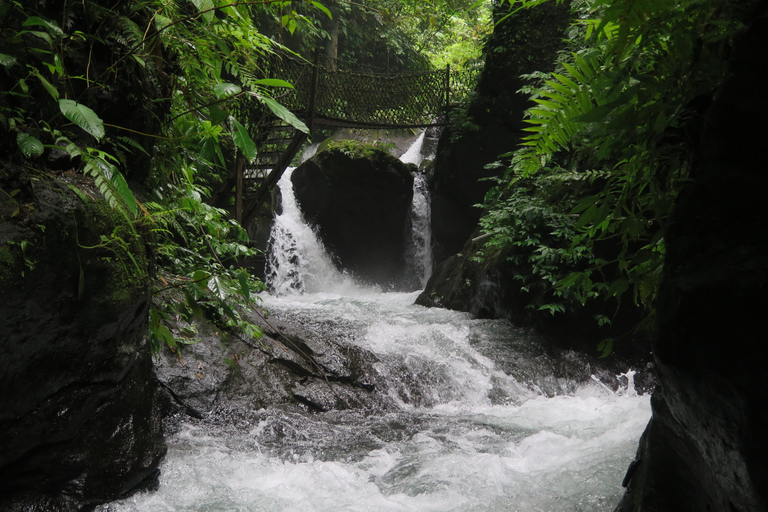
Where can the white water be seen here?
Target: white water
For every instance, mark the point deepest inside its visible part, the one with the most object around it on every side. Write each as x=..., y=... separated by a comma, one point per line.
x=463, y=434
x=480, y=440
x=421, y=230
x=421, y=216
x=413, y=153
x=297, y=261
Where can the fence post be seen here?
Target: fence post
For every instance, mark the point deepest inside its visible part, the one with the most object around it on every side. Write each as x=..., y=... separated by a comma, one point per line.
x=447, y=87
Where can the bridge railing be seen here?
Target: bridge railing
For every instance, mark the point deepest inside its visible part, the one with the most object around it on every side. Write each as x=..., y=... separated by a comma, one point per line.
x=346, y=98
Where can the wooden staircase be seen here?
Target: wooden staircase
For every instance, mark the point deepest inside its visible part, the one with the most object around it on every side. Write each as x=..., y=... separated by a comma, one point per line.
x=250, y=183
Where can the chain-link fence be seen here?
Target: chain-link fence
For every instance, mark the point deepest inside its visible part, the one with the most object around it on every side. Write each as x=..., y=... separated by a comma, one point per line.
x=347, y=98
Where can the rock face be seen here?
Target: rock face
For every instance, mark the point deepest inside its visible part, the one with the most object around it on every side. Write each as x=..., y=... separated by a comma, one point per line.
x=705, y=447
x=492, y=124
x=359, y=198
x=491, y=289
x=78, y=424
x=289, y=368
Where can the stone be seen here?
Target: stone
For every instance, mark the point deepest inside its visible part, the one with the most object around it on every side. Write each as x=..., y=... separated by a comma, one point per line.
x=706, y=447
x=359, y=199
x=79, y=423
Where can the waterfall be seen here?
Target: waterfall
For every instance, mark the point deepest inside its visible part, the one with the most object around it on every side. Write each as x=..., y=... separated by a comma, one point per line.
x=297, y=261
x=413, y=154
x=421, y=234
x=420, y=256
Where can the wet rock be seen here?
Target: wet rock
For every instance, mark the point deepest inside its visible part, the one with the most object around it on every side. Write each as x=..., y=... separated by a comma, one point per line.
x=79, y=423
x=492, y=289
x=705, y=447
x=359, y=198
x=288, y=367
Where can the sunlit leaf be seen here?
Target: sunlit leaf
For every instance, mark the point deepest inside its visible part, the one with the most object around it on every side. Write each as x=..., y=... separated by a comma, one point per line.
x=83, y=117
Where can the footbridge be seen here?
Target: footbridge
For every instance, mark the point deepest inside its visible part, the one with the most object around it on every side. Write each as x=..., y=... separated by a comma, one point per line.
x=325, y=94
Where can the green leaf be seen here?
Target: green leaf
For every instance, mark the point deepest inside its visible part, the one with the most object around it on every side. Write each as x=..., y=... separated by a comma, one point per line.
x=218, y=114
x=243, y=140
x=51, y=26
x=48, y=87
x=284, y=114
x=274, y=82
x=322, y=8
x=244, y=287
x=83, y=117
x=205, y=5
x=606, y=346
x=216, y=287
x=29, y=145
x=7, y=60
x=124, y=191
x=80, y=193
x=226, y=90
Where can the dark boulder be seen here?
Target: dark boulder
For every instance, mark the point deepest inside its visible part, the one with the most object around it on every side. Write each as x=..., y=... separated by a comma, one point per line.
x=706, y=447
x=78, y=422
x=359, y=198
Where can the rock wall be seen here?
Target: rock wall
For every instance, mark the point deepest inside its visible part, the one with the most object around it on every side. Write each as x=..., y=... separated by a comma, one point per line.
x=705, y=448
x=491, y=125
x=78, y=424
x=359, y=198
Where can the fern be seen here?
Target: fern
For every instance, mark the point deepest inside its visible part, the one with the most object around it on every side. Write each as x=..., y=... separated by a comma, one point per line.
x=606, y=114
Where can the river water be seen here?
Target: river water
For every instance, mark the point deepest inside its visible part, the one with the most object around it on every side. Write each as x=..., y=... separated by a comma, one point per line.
x=476, y=424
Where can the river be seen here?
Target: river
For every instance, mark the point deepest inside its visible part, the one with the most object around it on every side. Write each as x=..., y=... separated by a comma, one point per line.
x=478, y=421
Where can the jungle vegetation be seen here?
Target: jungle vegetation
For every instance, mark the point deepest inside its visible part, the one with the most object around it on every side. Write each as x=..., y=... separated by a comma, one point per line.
x=585, y=200
x=149, y=98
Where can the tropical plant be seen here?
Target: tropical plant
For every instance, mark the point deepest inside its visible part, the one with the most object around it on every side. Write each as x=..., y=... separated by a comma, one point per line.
x=155, y=93
x=621, y=113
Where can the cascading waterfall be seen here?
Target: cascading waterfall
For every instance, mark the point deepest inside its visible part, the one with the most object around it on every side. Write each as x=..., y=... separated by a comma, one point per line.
x=466, y=435
x=297, y=261
x=421, y=216
x=421, y=236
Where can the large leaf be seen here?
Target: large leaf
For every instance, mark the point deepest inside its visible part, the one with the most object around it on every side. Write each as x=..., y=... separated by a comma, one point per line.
x=83, y=117
x=284, y=114
x=243, y=140
x=114, y=187
x=205, y=6
x=51, y=26
x=274, y=82
x=323, y=8
x=29, y=145
x=225, y=90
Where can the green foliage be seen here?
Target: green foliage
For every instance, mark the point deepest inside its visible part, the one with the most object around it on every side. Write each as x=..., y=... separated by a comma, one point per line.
x=159, y=94
x=621, y=112
x=197, y=251
x=530, y=227
x=357, y=149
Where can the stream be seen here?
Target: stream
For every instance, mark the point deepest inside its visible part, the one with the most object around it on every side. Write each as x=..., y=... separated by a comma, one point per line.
x=478, y=423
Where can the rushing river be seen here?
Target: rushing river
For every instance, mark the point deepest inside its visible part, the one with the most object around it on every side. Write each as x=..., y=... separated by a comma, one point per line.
x=485, y=442
x=476, y=424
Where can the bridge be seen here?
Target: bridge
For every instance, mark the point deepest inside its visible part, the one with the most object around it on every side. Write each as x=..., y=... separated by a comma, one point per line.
x=326, y=96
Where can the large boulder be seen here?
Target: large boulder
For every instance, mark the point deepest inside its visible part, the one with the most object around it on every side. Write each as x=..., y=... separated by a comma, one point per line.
x=705, y=447
x=78, y=422
x=359, y=198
